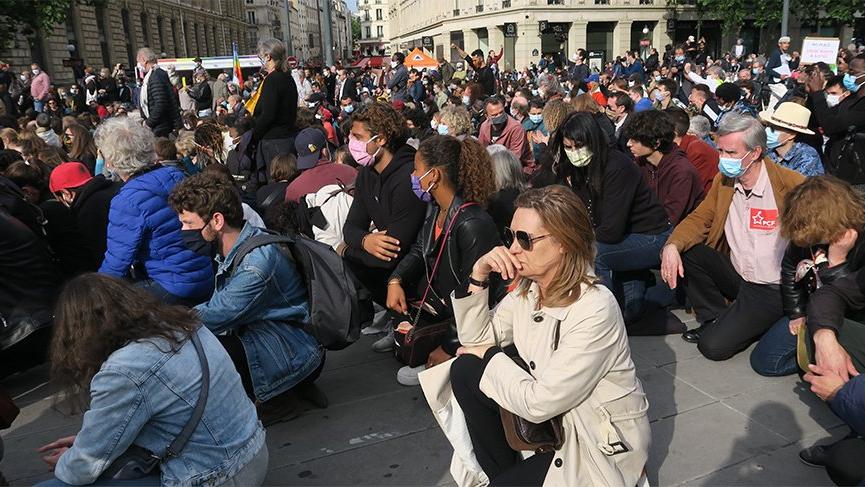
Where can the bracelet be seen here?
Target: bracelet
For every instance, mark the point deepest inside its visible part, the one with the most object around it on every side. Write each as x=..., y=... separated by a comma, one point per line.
x=395, y=280
x=481, y=284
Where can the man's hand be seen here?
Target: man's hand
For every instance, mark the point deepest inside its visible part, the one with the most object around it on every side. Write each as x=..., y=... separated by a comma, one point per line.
x=437, y=356
x=381, y=246
x=831, y=356
x=671, y=265
x=839, y=249
x=55, y=450
x=796, y=325
x=815, y=82
x=824, y=382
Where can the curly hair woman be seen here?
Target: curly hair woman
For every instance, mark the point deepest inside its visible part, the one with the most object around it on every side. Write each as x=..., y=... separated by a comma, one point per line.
x=457, y=176
x=140, y=361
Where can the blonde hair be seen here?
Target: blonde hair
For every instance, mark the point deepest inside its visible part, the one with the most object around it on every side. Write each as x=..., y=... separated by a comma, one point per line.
x=185, y=143
x=567, y=221
x=820, y=210
x=457, y=119
x=555, y=112
x=585, y=103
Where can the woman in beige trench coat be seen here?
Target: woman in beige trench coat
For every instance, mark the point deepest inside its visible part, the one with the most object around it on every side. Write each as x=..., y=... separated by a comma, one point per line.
x=589, y=377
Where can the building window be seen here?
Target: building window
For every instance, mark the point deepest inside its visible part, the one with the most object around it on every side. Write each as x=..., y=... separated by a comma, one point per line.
x=602, y=2
x=647, y=2
x=506, y=3
x=124, y=17
x=197, y=39
x=159, y=29
x=174, y=37
x=366, y=15
x=555, y=2
x=378, y=14
x=71, y=36
x=379, y=31
x=368, y=33
x=103, y=35
x=479, y=8
x=207, y=40
x=311, y=40
x=251, y=16
x=145, y=29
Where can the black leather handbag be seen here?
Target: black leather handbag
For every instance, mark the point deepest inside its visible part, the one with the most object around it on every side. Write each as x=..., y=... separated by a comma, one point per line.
x=137, y=462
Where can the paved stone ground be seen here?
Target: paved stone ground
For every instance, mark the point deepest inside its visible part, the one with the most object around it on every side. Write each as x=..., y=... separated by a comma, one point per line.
x=713, y=423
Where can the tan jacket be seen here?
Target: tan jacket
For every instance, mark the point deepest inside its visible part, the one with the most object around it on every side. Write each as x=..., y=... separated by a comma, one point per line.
x=705, y=225
x=590, y=378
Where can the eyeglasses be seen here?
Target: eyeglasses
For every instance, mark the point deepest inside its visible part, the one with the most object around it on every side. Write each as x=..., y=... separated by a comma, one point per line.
x=523, y=238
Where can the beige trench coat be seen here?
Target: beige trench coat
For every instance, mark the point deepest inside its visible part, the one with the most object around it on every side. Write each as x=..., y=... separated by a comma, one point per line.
x=590, y=378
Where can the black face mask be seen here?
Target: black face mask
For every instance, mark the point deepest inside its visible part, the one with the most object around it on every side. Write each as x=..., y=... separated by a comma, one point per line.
x=195, y=242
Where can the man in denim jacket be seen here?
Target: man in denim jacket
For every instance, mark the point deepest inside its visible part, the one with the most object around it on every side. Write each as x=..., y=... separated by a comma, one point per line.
x=255, y=310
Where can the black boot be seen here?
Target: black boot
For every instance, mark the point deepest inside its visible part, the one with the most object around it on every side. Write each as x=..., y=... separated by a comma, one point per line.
x=693, y=336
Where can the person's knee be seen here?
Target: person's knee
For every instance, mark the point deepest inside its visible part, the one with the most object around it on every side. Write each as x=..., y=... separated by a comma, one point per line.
x=764, y=365
x=466, y=372
x=712, y=350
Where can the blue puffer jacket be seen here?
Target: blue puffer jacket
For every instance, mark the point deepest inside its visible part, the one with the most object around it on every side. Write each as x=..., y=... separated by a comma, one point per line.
x=142, y=228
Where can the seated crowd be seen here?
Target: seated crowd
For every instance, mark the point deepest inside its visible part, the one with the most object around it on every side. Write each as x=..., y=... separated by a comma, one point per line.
x=534, y=219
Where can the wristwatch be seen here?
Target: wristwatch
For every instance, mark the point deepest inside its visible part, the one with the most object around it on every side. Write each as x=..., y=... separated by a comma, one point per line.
x=481, y=284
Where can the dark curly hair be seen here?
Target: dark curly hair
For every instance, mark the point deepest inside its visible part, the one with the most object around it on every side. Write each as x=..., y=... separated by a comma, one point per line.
x=208, y=193
x=98, y=314
x=467, y=165
x=382, y=119
x=209, y=135
x=652, y=128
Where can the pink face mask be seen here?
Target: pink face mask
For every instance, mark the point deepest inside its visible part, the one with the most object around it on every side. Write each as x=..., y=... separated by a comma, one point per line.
x=357, y=148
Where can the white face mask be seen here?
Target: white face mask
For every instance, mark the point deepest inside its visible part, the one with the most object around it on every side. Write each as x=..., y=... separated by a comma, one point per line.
x=35, y=71
x=833, y=100
x=393, y=64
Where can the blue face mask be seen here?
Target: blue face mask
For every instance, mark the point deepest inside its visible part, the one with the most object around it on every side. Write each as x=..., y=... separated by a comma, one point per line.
x=680, y=58
x=755, y=70
x=732, y=167
x=422, y=194
x=442, y=129
x=100, y=166
x=536, y=118
x=850, y=82
x=348, y=108
x=773, y=138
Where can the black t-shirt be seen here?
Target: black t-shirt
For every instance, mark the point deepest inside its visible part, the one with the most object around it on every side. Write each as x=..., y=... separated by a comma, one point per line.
x=485, y=77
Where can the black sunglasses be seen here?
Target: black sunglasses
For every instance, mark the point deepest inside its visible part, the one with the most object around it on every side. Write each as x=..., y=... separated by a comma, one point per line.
x=523, y=238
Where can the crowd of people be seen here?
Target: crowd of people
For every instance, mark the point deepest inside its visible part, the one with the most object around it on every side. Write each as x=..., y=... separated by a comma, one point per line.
x=493, y=216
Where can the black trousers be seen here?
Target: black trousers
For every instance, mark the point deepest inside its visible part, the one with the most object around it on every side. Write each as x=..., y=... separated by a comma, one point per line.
x=374, y=279
x=845, y=466
x=710, y=282
x=502, y=465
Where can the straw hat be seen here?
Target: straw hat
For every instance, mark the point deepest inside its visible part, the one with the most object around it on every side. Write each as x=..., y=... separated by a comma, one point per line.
x=790, y=116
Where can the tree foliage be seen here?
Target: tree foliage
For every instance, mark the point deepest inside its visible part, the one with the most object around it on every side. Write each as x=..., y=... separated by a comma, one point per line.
x=355, y=28
x=734, y=13
x=31, y=16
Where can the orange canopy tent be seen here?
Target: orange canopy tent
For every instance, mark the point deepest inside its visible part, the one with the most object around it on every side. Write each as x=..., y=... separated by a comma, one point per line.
x=417, y=59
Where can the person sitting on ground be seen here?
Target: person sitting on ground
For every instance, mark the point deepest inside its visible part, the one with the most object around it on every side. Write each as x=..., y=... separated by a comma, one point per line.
x=89, y=199
x=457, y=177
x=455, y=121
x=283, y=169
x=535, y=122
x=501, y=128
x=249, y=214
x=630, y=222
x=666, y=168
x=701, y=155
x=45, y=132
x=782, y=127
x=570, y=331
x=729, y=249
x=257, y=308
x=510, y=183
x=316, y=168
x=704, y=102
x=80, y=146
x=143, y=364
x=144, y=241
x=383, y=198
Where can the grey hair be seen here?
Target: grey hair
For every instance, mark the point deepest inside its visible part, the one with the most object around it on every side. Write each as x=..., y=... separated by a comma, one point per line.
x=457, y=119
x=126, y=145
x=699, y=126
x=274, y=48
x=148, y=55
x=716, y=70
x=753, y=132
x=507, y=168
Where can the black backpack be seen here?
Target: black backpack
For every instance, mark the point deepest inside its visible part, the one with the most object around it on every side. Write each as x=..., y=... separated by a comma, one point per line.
x=338, y=303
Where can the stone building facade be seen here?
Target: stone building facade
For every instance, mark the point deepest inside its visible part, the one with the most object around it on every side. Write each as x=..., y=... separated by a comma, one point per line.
x=112, y=31
x=377, y=23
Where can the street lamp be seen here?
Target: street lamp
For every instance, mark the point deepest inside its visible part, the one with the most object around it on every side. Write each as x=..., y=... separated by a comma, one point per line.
x=645, y=42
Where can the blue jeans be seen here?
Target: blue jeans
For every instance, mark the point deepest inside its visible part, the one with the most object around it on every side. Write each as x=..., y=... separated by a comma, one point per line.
x=150, y=480
x=166, y=297
x=637, y=252
x=775, y=354
x=39, y=106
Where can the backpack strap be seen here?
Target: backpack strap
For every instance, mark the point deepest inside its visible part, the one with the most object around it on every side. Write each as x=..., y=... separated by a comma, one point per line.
x=253, y=243
x=176, y=446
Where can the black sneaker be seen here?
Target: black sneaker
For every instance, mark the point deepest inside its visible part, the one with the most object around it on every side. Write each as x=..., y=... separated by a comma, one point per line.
x=816, y=456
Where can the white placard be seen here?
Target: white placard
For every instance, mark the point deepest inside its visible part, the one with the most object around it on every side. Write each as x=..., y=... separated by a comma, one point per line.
x=816, y=49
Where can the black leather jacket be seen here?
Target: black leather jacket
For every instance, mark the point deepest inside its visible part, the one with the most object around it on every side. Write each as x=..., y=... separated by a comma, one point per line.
x=795, y=295
x=474, y=234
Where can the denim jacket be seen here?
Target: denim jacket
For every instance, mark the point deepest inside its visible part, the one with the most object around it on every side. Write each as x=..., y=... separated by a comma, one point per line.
x=261, y=302
x=145, y=393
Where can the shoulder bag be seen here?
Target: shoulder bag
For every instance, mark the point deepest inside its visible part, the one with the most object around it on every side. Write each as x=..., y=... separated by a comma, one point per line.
x=138, y=462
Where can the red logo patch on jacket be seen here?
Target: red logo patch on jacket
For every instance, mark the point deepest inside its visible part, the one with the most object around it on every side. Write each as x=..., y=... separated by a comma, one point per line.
x=763, y=219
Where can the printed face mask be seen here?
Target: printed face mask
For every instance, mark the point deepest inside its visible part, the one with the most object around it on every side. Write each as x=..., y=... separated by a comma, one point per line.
x=579, y=157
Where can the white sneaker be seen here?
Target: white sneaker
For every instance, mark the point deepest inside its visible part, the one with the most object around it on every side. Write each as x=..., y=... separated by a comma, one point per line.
x=384, y=344
x=407, y=376
x=380, y=323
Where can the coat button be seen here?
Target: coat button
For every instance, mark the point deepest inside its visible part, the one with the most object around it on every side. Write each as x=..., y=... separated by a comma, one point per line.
x=538, y=318
x=532, y=365
x=558, y=462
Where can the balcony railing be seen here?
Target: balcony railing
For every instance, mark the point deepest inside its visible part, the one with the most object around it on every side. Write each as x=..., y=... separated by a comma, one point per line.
x=506, y=3
x=456, y=12
x=479, y=8
x=555, y=2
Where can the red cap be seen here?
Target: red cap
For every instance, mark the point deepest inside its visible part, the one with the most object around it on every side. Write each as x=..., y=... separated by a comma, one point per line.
x=68, y=175
x=399, y=105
